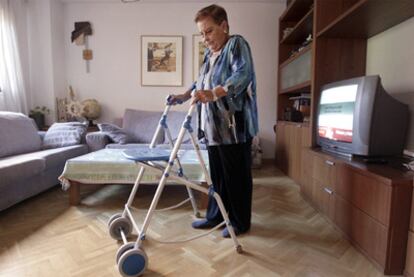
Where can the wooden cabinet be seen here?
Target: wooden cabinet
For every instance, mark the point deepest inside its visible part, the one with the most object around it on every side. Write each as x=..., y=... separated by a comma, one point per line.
x=412, y=214
x=318, y=183
x=292, y=138
x=339, y=29
x=409, y=266
x=370, y=204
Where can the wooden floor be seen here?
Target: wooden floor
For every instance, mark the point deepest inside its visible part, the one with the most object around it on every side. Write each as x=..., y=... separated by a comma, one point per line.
x=44, y=236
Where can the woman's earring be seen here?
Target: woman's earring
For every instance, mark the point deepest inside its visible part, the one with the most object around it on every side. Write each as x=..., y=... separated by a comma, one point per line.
x=225, y=31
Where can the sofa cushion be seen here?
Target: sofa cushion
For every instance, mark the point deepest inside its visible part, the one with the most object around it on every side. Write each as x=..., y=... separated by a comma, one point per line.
x=174, y=121
x=58, y=156
x=115, y=133
x=20, y=167
x=18, y=134
x=141, y=125
x=64, y=134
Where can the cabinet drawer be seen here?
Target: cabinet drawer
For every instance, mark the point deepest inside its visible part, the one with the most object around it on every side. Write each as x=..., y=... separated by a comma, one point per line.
x=324, y=171
x=306, y=174
x=323, y=198
x=367, y=194
x=409, y=266
x=367, y=233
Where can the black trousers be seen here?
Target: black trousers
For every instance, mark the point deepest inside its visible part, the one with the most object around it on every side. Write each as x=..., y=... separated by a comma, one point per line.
x=230, y=170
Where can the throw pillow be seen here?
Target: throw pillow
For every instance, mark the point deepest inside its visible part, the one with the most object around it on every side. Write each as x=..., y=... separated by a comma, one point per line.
x=64, y=134
x=115, y=133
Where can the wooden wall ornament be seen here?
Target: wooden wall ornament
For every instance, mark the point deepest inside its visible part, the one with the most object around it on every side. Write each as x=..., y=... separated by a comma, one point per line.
x=80, y=37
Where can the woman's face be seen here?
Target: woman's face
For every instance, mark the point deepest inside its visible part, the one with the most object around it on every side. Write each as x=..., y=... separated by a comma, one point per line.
x=214, y=35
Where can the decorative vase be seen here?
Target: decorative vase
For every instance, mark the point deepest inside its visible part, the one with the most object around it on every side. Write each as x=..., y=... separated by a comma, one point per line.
x=39, y=119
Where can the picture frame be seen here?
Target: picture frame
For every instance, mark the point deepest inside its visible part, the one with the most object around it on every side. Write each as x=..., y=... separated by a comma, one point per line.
x=198, y=55
x=161, y=60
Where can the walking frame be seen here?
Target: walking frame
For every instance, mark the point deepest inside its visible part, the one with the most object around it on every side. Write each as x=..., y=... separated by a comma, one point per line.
x=130, y=257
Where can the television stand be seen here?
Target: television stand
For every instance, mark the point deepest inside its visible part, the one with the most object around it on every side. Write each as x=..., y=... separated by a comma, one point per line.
x=369, y=203
x=375, y=160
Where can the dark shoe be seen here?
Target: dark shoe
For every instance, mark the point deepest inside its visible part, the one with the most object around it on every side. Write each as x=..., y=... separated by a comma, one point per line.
x=204, y=224
x=226, y=233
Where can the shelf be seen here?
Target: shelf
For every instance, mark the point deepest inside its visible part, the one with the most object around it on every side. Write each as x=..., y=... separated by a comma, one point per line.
x=296, y=10
x=297, y=124
x=291, y=59
x=367, y=18
x=302, y=29
x=305, y=86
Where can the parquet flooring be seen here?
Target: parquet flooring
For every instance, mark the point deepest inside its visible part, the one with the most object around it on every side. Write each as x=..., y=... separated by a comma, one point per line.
x=44, y=236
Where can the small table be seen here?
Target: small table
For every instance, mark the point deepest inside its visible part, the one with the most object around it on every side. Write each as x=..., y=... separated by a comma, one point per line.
x=109, y=166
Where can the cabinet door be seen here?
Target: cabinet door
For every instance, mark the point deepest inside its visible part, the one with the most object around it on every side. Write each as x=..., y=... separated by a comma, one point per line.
x=412, y=214
x=295, y=151
x=367, y=233
x=323, y=199
x=281, y=147
x=368, y=194
x=324, y=171
x=409, y=266
x=306, y=173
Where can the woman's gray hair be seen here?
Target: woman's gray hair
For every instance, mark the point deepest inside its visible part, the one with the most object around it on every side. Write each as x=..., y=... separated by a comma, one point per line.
x=217, y=13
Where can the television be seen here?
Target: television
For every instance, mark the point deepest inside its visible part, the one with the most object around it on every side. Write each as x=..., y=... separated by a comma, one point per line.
x=358, y=117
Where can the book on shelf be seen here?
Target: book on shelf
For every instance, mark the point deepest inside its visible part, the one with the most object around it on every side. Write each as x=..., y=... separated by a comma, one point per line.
x=302, y=103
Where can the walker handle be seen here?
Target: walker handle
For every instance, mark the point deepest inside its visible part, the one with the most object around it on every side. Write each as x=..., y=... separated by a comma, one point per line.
x=170, y=101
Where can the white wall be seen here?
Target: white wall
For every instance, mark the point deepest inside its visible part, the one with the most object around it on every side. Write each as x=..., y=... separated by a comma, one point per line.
x=20, y=9
x=45, y=65
x=391, y=55
x=114, y=78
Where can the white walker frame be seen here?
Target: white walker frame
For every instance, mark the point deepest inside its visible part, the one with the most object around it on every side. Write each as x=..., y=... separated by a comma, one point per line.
x=131, y=258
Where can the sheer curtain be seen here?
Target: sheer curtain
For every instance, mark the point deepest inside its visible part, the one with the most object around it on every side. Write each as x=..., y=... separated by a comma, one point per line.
x=13, y=94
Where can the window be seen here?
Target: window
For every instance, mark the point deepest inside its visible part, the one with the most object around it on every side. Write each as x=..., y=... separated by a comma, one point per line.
x=12, y=95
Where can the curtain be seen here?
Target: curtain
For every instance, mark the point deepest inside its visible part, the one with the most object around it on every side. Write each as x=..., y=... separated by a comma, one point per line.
x=13, y=94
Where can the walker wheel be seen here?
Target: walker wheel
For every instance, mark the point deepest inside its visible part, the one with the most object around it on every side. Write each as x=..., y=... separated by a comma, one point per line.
x=198, y=215
x=133, y=263
x=123, y=249
x=113, y=217
x=120, y=224
x=239, y=249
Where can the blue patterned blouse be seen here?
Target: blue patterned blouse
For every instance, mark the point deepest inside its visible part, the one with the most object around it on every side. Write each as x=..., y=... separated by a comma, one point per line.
x=231, y=119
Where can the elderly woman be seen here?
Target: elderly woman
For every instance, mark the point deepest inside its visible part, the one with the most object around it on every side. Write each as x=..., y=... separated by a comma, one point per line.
x=226, y=95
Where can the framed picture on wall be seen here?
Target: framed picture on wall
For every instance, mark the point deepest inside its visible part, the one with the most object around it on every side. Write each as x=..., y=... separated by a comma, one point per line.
x=161, y=60
x=198, y=54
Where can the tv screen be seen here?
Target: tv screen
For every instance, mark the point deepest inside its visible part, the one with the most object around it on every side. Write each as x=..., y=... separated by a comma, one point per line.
x=336, y=115
x=358, y=117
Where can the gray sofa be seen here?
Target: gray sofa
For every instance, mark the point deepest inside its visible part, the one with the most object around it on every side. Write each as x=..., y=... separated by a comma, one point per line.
x=140, y=127
x=25, y=168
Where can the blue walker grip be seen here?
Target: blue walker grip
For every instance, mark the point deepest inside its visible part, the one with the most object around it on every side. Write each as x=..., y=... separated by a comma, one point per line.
x=171, y=102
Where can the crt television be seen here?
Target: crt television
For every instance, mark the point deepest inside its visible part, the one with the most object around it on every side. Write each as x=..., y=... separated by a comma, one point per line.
x=358, y=117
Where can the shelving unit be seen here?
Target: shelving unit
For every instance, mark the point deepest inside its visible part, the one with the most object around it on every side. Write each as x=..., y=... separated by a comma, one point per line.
x=340, y=29
x=295, y=79
x=300, y=30
x=366, y=19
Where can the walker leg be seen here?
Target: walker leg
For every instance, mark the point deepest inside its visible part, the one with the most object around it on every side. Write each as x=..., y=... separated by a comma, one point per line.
x=152, y=207
x=228, y=224
x=193, y=202
x=135, y=188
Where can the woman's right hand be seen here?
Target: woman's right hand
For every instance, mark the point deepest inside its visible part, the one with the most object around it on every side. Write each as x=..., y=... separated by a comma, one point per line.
x=174, y=99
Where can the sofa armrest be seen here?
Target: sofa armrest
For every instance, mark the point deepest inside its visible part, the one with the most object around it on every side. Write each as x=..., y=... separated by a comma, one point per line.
x=96, y=141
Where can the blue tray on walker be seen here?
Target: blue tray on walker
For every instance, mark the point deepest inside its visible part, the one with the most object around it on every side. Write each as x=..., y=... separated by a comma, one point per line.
x=147, y=154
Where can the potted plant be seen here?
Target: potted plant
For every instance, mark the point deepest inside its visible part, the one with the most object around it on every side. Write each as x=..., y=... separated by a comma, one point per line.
x=38, y=115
